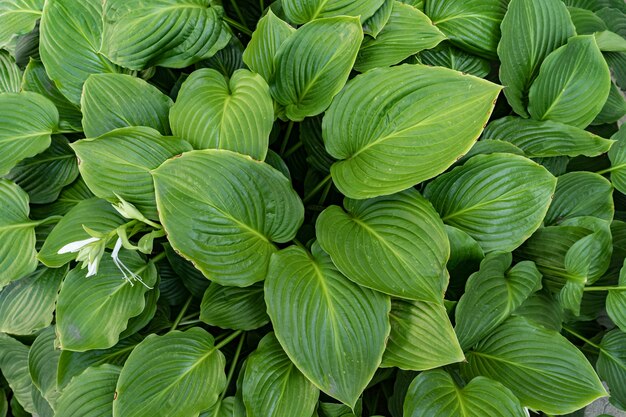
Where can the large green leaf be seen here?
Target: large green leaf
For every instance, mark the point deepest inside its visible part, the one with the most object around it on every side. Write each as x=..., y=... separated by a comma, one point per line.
x=446, y=55
x=332, y=329
x=421, y=337
x=223, y=211
x=302, y=11
x=118, y=163
x=399, y=240
x=90, y=394
x=546, y=138
x=44, y=175
x=18, y=17
x=378, y=20
x=110, y=101
x=43, y=359
x=17, y=234
x=234, y=307
x=435, y=393
x=498, y=199
x=391, y=130
x=273, y=386
x=531, y=30
x=178, y=374
x=614, y=107
x=617, y=155
x=586, y=21
x=573, y=84
x=473, y=25
x=611, y=365
x=542, y=308
x=492, y=294
x=169, y=33
x=92, y=312
x=68, y=198
x=10, y=74
x=14, y=367
x=616, y=304
x=542, y=369
x=407, y=32
x=212, y=111
x=27, y=121
x=313, y=64
x=27, y=304
x=70, y=39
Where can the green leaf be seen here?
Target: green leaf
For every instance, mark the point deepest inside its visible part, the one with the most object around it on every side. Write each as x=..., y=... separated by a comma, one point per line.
x=614, y=107
x=269, y=35
x=446, y=55
x=573, y=84
x=492, y=294
x=43, y=359
x=435, y=393
x=226, y=226
x=273, y=386
x=472, y=25
x=617, y=155
x=611, y=365
x=542, y=369
x=14, y=367
x=498, y=199
x=10, y=74
x=333, y=330
x=192, y=279
x=90, y=394
x=586, y=21
x=546, y=138
x=543, y=309
x=71, y=33
x=465, y=257
x=610, y=42
x=94, y=213
x=227, y=60
x=213, y=112
x=616, y=305
x=110, y=101
x=421, y=337
x=234, y=307
x=386, y=234
x=581, y=194
x=17, y=234
x=28, y=121
x=531, y=30
x=303, y=11
x=118, y=163
x=313, y=64
x=18, y=17
x=68, y=198
x=4, y=404
x=169, y=33
x=407, y=32
x=615, y=17
x=377, y=22
x=390, y=138
x=92, y=312
x=27, y=304
x=44, y=175
x=178, y=374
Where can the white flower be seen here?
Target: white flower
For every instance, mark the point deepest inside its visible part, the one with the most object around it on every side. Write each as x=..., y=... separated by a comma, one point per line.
x=128, y=274
x=74, y=247
x=92, y=268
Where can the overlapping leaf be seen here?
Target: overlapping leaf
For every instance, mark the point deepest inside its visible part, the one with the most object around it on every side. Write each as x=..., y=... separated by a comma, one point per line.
x=18, y=17
x=234, y=307
x=611, y=365
x=10, y=74
x=91, y=394
x=303, y=11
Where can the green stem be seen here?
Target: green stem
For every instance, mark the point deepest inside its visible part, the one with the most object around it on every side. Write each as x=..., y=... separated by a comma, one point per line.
x=262, y=4
x=584, y=339
x=237, y=25
x=51, y=219
x=317, y=188
x=623, y=288
x=322, y=199
x=294, y=148
x=228, y=339
x=188, y=322
x=283, y=145
x=233, y=365
x=611, y=169
x=181, y=314
x=238, y=11
x=157, y=258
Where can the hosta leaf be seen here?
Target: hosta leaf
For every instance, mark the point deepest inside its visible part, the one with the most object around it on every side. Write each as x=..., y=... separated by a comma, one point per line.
x=234, y=307
x=43, y=359
x=465, y=257
x=391, y=133
x=573, y=84
x=610, y=42
x=614, y=18
x=178, y=374
x=18, y=17
x=586, y=21
x=542, y=308
x=119, y=162
x=313, y=64
x=17, y=234
x=434, y=393
x=617, y=155
x=192, y=278
x=10, y=74
x=223, y=210
x=614, y=107
x=70, y=44
x=399, y=240
x=407, y=32
x=212, y=111
x=489, y=146
x=92, y=312
x=27, y=304
x=68, y=198
x=473, y=25
x=90, y=394
x=542, y=369
x=581, y=194
x=171, y=287
x=227, y=60
x=302, y=11
x=498, y=199
x=616, y=305
x=421, y=336
x=492, y=294
x=531, y=30
x=311, y=138
x=14, y=367
x=273, y=386
x=27, y=120
x=611, y=365
x=135, y=324
x=169, y=33
x=546, y=138
x=110, y=101
x=333, y=330
x=377, y=22
x=446, y=55
x=44, y=175
x=269, y=35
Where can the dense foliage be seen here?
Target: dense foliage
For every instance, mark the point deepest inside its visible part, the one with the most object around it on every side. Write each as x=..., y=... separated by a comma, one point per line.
x=312, y=208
